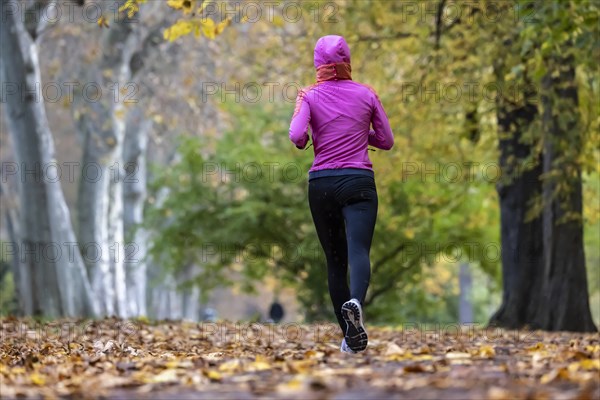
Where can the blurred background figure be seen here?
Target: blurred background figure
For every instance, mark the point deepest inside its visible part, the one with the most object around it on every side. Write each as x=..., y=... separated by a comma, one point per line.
x=209, y=314
x=276, y=311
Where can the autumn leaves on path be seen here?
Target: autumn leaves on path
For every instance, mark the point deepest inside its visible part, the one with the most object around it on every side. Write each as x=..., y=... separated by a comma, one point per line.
x=125, y=359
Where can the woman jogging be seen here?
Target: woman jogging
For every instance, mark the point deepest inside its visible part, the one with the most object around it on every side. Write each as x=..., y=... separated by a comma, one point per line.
x=341, y=189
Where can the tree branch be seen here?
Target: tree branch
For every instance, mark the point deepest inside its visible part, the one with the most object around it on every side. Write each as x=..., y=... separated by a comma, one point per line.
x=398, y=35
x=35, y=19
x=389, y=256
x=438, y=23
x=390, y=283
x=152, y=40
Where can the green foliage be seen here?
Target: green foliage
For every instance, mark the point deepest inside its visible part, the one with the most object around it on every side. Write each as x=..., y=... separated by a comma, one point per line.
x=8, y=299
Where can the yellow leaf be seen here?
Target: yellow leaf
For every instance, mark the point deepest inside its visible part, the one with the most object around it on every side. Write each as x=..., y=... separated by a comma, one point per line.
x=559, y=373
x=261, y=358
x=37, y=379
x=259, y=366
x=208, y=27
x=102, y=22
x=293, y=385
x=313, y=354
x=593, y=349
x=187, y=6
x=590, y=364
x=174, y=364
x=423, y=357
x=131, y=6
x=222, y=25
x=487, y=351
x=178, y=29
x=213, y=375
x=537, y=346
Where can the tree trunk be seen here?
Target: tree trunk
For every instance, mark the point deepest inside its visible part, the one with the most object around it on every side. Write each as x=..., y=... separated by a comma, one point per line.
x=465, y=300
x=54, y=275
x=190, y=296
x=543, y=263
x=100, y=194
x=521, y=239
x=116, y=240
x=106, y=129
x=93, y=221
x=134, y=197
x=564, y=290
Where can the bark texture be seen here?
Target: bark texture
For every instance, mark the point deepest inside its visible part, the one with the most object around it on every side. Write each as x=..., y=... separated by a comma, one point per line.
x=52, y=277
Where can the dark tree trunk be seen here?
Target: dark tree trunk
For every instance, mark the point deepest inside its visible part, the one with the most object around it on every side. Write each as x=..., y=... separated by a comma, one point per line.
x=543, y=263
x=564, y=290
x=521, y=239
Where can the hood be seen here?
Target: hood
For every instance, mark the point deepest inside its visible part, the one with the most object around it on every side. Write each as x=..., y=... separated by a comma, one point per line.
x=331, y=49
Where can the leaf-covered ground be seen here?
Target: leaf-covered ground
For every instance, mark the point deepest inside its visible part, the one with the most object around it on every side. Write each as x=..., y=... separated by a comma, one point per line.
x=124, y=359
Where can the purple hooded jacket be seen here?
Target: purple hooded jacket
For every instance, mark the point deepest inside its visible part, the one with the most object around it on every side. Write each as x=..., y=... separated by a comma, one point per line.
x=340, y=113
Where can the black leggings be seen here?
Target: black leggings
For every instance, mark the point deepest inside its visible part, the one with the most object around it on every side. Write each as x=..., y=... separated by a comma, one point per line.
x=344, y=210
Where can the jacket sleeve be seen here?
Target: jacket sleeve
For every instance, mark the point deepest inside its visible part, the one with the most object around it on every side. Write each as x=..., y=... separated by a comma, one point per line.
x=300, y=120
x=381, y=135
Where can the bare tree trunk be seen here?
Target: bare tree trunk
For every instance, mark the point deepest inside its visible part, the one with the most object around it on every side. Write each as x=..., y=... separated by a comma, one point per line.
x=134, y=197
x=93, y=222
x=57, y=283
x=117, y=243
x=100, y=196
x=166, y=300
x=190, y=296
x=163, y=297
x=116, y=202
x=465, y=300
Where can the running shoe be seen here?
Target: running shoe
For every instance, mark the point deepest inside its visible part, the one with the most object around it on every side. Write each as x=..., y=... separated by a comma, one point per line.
x=356, y=335
x=345, y=349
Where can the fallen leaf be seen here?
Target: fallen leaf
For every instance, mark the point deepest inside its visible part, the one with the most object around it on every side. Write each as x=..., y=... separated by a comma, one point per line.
x=213, y=375
x=558, y=373
x=37, y=379
x=486, y=352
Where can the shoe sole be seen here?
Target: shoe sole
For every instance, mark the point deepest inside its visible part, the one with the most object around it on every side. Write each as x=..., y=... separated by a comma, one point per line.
x=356, y=336
x=346, y=350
